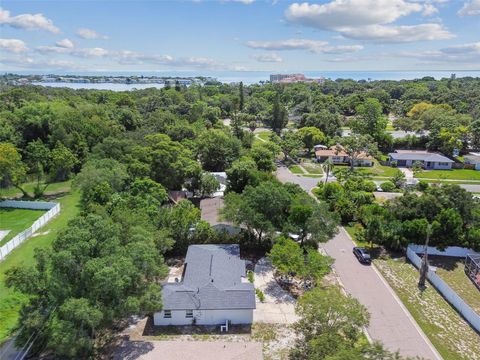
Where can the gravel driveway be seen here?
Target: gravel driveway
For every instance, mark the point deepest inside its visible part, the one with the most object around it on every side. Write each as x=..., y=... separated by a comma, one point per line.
x=279, y=305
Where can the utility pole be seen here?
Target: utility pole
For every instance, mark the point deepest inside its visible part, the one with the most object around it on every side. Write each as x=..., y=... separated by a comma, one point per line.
x=424, y=266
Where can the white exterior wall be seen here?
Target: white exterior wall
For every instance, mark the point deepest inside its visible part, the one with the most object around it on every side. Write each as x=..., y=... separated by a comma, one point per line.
x=437, y=166
x=363, y=162
x=205, y=317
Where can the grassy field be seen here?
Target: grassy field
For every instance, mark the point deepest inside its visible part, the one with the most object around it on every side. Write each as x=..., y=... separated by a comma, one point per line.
x=57, y=187
x=312, y=168
x=264, y=135
x=296, y=169
x=447, y=330
x=378, y=170
x=457, y=174
x=17, y=220
x=451, y=270
x=10, y=301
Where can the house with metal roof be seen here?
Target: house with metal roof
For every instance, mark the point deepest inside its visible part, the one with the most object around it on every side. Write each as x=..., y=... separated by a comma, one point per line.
x=213, y=289
x=429, y=160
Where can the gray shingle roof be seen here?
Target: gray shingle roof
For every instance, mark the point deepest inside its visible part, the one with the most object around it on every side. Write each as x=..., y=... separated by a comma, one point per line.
x=420, y=157
x=212, y=280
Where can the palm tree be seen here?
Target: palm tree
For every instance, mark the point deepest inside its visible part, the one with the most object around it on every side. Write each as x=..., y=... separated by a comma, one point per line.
x=327, y=167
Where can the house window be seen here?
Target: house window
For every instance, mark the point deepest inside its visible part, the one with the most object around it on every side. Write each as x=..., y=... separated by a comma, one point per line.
x=189, y=313
x=167, y=314
x=442, y=163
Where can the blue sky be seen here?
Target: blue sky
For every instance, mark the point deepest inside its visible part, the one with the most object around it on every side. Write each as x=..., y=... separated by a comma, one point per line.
x=239, y=35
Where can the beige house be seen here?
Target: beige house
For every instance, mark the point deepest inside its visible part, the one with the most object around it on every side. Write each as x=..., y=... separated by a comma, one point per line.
x=338, y=156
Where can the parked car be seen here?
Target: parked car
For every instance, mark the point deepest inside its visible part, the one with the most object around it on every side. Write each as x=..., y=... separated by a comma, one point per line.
x=362, y=255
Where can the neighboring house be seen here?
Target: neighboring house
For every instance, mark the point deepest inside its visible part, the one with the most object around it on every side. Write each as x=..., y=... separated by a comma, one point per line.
x=214, y=289
x=222, y=179
x=429, y=160
x=472, y=159
x=339, y=157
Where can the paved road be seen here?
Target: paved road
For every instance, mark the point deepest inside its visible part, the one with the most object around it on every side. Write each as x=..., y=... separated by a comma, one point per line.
x=390, y=322
x=306, y=183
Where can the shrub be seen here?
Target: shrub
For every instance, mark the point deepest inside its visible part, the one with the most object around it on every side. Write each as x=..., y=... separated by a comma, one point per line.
x=250, y=276
x=369, y=186
x=422, y=185
x=260, y=295
x=388, y=186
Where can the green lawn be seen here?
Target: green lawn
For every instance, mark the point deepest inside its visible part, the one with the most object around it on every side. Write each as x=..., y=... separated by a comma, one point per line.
x=376, y=170
x=10, y=301
x=57, y=187
x=313, y=176
x=352, y=230
x=447, y=330
x=264, y=135
x=312, y=168
x=17, y=220
x=451, y=270
x=457, y=174
x=296, y=169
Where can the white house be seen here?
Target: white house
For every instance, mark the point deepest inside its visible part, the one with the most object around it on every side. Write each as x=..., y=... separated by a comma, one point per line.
x=429, y=160
x=473, y=159
x=213, y=289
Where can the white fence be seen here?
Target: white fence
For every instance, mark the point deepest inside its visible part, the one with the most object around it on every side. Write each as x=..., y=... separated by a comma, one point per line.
x=471, y=316
x=455, y=251
x=53, y=210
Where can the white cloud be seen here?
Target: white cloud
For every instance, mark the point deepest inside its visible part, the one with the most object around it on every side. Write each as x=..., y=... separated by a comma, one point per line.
x=289, y=44
x=13, y=45
x=463, y=53
x=368, y=19
x=429, y=10
x=403, y=33
x=267, y=57
x=90, y=34
x=314, y=46
x=35, y=63
x=135, y=58
x=350, y=13
x=78, y=52
x=28, y=21
x=470, y=8
x=65, y=43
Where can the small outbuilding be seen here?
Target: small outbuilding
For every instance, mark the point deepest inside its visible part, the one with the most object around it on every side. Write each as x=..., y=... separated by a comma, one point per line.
x=214, y=289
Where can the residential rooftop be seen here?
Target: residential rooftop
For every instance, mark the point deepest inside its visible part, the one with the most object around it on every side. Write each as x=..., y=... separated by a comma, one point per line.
x=212, y=280
x=419, y=155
